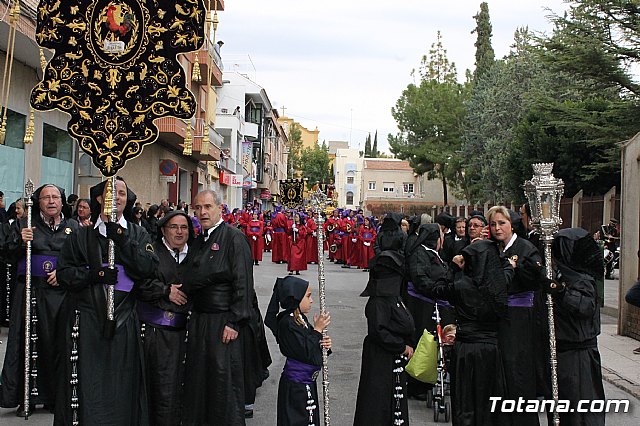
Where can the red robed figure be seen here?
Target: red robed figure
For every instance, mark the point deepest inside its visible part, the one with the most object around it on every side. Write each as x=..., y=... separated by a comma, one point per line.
x=312, y=241
x=255, y=229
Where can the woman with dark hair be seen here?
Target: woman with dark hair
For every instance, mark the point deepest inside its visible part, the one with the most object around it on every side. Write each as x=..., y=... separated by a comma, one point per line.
x=577, y=261
x=152, y=221
x=297, y=245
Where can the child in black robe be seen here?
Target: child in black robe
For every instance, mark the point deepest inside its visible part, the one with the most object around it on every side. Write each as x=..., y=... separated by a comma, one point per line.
x=302, y=344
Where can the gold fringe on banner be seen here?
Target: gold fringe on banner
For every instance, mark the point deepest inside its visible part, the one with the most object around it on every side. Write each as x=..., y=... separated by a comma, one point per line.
x=28, y=135
x=195, y=73
x=188, y=141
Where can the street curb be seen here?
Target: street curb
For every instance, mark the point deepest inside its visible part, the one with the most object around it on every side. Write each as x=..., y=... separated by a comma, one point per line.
x=620, y=382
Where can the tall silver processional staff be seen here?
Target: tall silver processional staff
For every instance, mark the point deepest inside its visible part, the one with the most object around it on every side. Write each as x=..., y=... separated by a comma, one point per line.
x=28, y=192
x=544, y=192
x=109, y=209
x=318, y=202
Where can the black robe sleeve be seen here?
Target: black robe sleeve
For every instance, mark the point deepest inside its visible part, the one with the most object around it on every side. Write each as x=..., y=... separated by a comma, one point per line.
x=384, y=328
x=579, y=298
x=299, y=342
x=529, y=270
x=425, y=269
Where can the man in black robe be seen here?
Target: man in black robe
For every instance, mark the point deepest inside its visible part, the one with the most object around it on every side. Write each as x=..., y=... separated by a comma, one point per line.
x=220, y=285
x=163, y=309
x=49, y=231
x=103, y=375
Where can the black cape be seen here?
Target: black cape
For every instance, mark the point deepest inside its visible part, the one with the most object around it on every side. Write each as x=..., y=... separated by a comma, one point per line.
x=111, y=387
x=479, y=296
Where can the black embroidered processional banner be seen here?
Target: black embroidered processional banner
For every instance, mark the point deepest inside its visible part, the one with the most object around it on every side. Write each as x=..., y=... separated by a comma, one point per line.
x=291, y=192
x=115, y=70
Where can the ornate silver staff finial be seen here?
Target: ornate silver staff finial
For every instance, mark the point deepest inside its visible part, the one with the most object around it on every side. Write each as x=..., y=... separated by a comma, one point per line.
x=544, y=192
x=28, y=192
x=318, y=202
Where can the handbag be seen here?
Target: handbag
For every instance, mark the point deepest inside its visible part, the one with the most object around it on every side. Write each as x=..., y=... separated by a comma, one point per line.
x=423, y=365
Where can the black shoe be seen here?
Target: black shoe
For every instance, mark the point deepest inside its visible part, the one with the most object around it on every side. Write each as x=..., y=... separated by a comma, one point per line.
x=248, y=414
x=21, y=413
x=297, y=272
x=290, y=272
x=346, y=266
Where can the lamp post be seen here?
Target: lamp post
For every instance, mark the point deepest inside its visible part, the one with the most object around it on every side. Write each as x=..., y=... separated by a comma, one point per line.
x=544, y=192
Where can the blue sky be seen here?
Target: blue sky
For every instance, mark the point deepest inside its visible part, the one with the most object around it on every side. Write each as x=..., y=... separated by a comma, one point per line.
x=341, y=65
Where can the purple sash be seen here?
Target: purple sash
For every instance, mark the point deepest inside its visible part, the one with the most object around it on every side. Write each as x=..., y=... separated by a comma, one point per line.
x=154, y=315
x=255, y=228
x=521, y=300
x=278, y=229
x=124, y=283
x=367, y=235
x=41, y=265
x=299, y=372
x=412, y=292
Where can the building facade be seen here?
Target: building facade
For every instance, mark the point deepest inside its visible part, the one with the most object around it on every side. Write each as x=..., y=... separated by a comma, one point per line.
x=391, y=185
x=348, y=168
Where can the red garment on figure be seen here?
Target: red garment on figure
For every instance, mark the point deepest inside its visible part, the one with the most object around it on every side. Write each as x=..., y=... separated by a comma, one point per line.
x=312, y=241
x=347, y=227
x=280, y=245
x=268, y=242
x=333, y=222
x=254, y=234
x=297, y=256
x=367, y=235
x=244, y=219
x=354, y=255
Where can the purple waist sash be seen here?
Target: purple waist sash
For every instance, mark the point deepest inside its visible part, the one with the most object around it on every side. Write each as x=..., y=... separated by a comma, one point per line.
x=299, y=372
x=254, y=228
x=278, y=229
x=521, y=300
x=367, y=235
x=41, y=265
x=124, y=282
x=156, y=316
x=412, y=292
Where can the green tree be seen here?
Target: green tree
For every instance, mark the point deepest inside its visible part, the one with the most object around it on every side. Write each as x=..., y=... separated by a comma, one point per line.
x=599, y=41
x=429, y=116
x=315, y=165
x=374, y=150
x=295, y=148
x=485, y=55
x=367, y=146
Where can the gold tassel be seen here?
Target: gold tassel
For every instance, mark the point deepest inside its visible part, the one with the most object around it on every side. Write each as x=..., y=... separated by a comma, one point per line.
x=3, y=130
x=28, y=135
x=43, y=61
x=188, y=141
x=195, y=73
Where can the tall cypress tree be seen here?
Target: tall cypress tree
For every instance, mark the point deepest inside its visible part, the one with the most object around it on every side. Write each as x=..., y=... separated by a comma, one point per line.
x=485, y=56
x=367, y=147
x=374, y=149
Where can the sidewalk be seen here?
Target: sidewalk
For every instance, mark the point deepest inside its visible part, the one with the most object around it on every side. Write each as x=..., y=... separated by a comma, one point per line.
x=620, y=366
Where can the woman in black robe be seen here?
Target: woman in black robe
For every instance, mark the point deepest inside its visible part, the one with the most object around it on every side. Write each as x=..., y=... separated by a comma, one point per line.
x=424, y=266
x=302, y=344
x=517, y=341
x=478, y=293
x=387, y=346
x=577, y=260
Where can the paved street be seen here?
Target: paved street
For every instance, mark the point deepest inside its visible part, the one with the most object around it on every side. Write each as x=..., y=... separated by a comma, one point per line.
x=347, y=330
